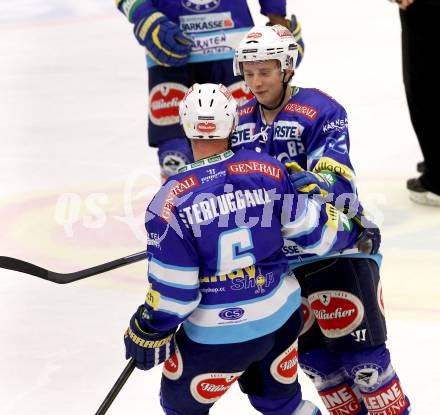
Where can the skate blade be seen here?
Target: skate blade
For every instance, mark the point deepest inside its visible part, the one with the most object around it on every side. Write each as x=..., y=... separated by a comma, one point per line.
x=425, y=198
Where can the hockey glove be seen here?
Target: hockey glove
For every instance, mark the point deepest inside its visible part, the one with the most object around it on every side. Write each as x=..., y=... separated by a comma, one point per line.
x=166, y=44
x=311, y=183
x=294, y=26
x=147, y=349
x=370, y=238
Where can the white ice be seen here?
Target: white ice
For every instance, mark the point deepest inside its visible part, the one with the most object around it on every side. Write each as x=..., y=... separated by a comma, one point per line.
x=76, y=172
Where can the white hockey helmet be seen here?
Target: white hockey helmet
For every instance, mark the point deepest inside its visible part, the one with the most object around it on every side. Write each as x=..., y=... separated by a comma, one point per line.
x=208, y=111
x=264, y=43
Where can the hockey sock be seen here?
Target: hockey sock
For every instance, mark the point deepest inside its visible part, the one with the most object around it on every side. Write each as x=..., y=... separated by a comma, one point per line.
x=337, y=390
x=378, y=383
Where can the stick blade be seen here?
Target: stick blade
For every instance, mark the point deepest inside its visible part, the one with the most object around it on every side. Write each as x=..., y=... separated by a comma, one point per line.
x=18, y=265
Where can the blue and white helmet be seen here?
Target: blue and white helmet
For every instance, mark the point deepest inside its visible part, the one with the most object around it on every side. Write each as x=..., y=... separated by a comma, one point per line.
x=208, y=111
x=263, y=43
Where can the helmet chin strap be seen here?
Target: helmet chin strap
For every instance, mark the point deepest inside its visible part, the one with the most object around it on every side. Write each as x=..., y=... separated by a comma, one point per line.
x=283, y=95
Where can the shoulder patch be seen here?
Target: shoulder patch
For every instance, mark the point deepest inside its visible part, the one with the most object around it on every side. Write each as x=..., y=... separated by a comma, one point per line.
x=182, y=186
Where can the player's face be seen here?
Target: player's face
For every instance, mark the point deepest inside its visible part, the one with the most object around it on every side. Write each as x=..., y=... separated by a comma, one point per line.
x=264, y=80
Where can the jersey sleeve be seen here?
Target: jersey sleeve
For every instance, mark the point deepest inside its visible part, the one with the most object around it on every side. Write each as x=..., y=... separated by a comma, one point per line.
x=273, y=6
x=314, y=225
x=328, y=151
x=173, y=271
x=133, y=10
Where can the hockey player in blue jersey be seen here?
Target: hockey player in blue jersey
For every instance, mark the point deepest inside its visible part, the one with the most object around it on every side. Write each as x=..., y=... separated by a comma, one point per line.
x=189, y=41
x=215, y=238
x=342, y=346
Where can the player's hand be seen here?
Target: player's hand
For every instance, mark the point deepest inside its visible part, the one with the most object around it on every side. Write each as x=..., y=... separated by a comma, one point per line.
x=147, y=349
x=308, y=182
x=311, y=183
x=166, y=44
x=369, y=241
x=293, y=25
x=370, y=238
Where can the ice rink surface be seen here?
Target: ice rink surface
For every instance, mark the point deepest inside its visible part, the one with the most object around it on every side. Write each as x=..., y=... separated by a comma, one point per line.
x=76, y=174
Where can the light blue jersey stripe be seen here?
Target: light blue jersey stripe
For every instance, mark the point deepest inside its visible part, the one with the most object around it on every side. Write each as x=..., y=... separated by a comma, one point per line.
x=245, y=331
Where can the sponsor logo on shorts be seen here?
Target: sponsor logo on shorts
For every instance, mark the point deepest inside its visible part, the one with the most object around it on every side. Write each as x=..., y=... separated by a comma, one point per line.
x=284, y=368
x=308, y=316
x=338, y=312
x=173, y=367
x=209, y=387
x=380, y=298
x=164, y=103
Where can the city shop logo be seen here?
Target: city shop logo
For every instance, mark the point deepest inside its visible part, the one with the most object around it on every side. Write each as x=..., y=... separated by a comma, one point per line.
x=234, y=313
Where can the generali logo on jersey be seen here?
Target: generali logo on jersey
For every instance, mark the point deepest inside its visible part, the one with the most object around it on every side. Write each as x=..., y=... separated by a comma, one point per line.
x=164, y=103
x=338, y=312
x=309, y=112
x=284, y=368
x=178, y=189
x=340, y=400
x=209, y=387
x=253, y=166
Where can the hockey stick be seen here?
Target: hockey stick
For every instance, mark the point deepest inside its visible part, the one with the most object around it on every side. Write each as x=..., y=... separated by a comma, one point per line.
x=116, y=387
x=18, y=265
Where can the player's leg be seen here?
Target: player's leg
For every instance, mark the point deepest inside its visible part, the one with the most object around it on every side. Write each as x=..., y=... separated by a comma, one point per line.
x=198, y=375
x=419, y=28
x=272, y=383
x=325, y=369
x=346, y=300
x=167, y=87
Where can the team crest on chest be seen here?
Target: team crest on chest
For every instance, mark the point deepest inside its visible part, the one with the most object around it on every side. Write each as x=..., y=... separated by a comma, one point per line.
x=200, y=6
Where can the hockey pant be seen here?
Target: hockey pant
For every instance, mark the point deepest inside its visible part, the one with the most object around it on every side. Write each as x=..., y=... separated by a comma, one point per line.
x=342, y=345
x=197, y=375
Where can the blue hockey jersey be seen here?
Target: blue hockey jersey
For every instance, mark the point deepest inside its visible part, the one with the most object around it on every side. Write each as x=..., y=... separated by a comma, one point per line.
x=215, y=238
x=311, y=130
x=216, y=26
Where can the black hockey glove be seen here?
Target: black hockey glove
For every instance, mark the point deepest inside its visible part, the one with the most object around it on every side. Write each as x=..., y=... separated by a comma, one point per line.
x=369, y=239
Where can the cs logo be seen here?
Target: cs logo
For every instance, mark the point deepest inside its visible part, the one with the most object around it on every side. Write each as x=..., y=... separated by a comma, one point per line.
x=233, y=313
